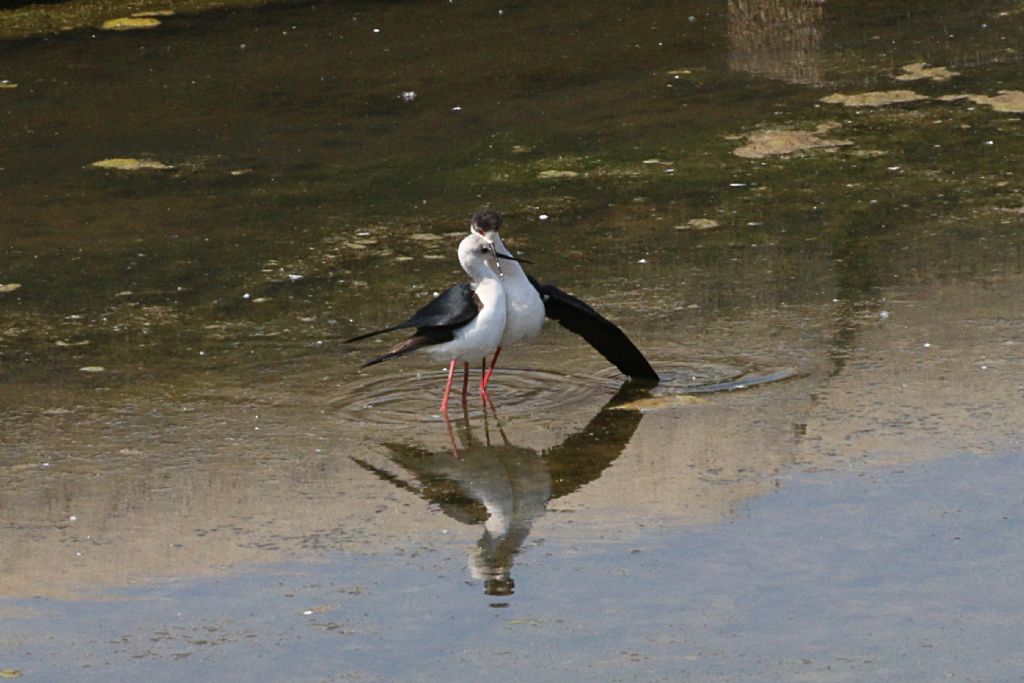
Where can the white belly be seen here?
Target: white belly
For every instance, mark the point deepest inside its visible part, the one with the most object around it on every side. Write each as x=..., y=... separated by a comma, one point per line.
x=481, y=336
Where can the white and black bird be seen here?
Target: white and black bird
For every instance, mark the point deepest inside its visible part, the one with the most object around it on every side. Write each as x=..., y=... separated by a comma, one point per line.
x=465, y=322
x=528, y=302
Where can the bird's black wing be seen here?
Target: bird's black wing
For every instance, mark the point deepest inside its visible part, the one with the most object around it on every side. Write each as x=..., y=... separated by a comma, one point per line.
x=453, y=307
x=611, y=342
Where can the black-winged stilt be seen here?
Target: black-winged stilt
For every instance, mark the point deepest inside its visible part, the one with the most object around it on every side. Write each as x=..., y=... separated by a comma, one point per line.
x=463, y=323
x=528, y=302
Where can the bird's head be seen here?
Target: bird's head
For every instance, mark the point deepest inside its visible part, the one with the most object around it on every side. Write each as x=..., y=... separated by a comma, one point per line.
x=476, y=248
x=486, y=223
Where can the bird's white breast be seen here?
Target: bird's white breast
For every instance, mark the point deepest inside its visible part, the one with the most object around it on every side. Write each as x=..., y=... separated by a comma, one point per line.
x=525, y=309
x=523, y=302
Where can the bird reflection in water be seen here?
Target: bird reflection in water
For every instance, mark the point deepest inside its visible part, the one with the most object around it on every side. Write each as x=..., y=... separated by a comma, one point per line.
x=504, y=488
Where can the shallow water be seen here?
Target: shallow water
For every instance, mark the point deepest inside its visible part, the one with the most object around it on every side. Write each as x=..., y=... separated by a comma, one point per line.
x=903, y=574
x=192, y=459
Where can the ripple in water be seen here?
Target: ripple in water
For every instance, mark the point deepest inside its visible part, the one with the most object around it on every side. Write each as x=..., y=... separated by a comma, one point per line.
x=415, y=397
x=722, y=378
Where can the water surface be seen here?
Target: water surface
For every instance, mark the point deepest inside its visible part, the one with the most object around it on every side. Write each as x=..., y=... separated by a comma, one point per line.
x=838, y=322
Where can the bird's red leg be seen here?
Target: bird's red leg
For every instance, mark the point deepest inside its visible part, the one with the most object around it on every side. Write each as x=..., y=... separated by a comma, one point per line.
x=448, y=387
x=465, y=382
x=451, y=437
x=487, y=377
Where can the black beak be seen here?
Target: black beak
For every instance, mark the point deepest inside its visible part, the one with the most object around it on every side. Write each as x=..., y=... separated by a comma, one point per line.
x=512, y=258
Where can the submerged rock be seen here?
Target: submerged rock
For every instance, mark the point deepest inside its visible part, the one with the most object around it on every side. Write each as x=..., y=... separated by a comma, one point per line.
x=658, y=402
x=424, y=237
x=874, y=99
x=920, y=71
x=130, y=23
x=698, y=224
x=128, y=164
x=780, y=141
x=1008, y=101
x=555, y=174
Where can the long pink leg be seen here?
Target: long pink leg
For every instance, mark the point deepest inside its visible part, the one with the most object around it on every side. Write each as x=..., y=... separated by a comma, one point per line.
x=487, y=377
x=451, y=437
x=465, y=382
x=448, y=388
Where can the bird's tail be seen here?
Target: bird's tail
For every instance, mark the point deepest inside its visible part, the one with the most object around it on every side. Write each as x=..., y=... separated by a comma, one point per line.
x=410, y=344
x=374, y=333
x=380, y=359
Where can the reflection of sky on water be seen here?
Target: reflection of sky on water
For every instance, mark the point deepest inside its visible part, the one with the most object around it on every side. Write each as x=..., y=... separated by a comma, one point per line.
x=875, y=574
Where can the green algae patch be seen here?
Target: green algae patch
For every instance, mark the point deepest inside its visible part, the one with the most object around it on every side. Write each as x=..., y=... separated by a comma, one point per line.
x=879, y=98
x=782, y=142
x=1007, y=101
x=130, y=164
x=563, y=168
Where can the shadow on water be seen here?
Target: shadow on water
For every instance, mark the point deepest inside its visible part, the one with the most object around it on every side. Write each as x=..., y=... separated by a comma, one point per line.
x=485, y=480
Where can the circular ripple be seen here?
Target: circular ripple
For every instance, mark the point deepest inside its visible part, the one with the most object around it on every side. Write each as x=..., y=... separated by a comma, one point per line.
x=416, y=397
x=685, y=377
x=710, y=378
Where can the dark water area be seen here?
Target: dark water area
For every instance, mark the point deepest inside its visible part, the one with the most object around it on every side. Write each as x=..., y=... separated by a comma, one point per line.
x=809, y=216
